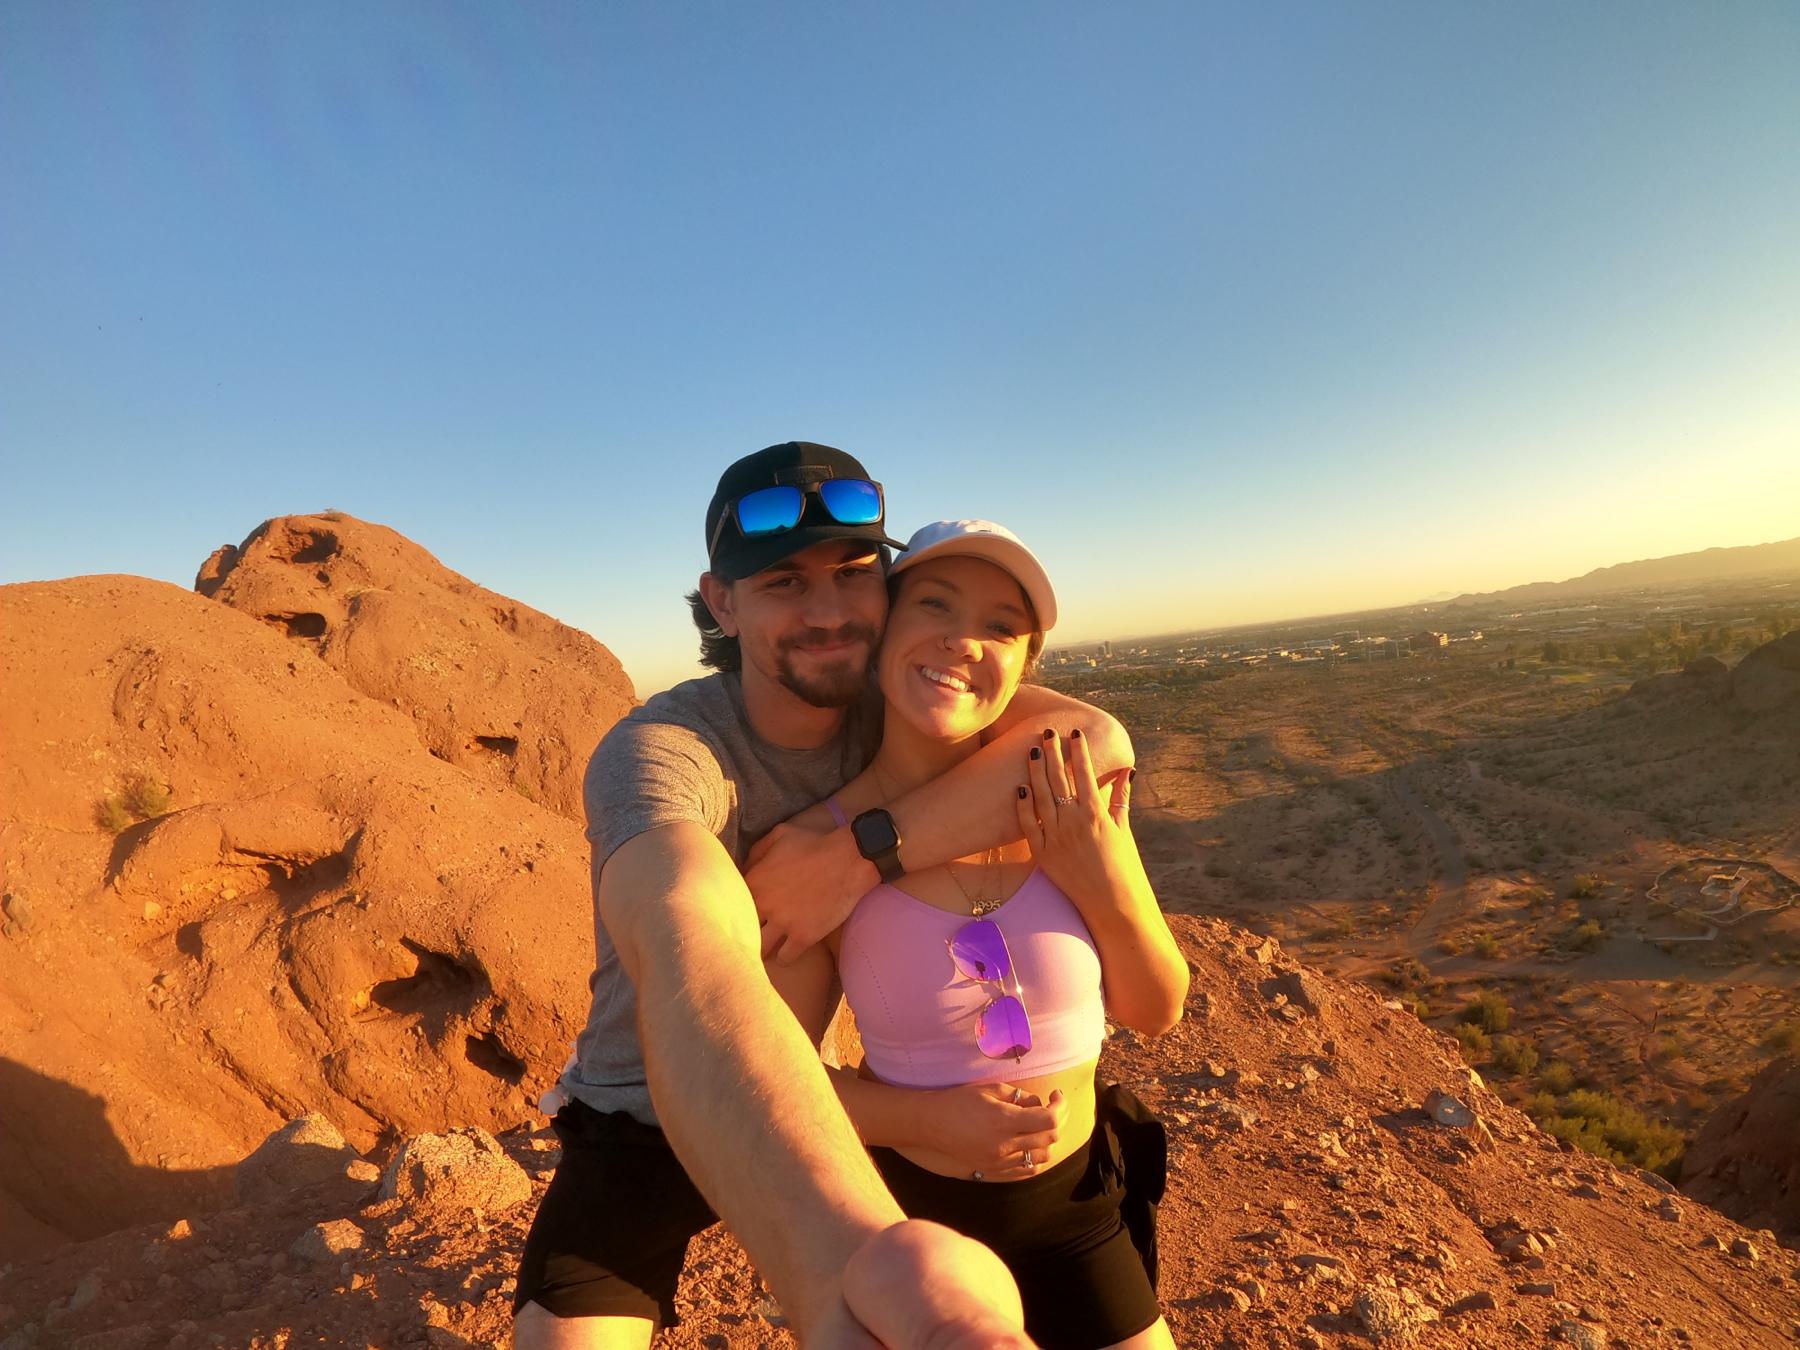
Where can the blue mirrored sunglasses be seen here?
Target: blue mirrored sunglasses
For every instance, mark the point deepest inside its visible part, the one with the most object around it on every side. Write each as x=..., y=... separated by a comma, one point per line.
x=770, y=510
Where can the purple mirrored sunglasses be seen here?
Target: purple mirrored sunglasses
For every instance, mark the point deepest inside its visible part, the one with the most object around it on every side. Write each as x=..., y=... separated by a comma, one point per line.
x=978, y=950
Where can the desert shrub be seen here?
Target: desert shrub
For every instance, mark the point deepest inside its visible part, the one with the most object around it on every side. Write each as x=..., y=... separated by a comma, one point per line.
x=1486, y=946
x=1487, y=1010
x=1558, y=1077
x=146, y=797
x=1586, y=886
x=1783, y=1038
x=110, y=814
x=1450, y=945
x=1514, y=1055
x=1414, y=1002
x=1541, y=1107
x=1586, y=937
x=1474, y=1043
x=1604, y=1126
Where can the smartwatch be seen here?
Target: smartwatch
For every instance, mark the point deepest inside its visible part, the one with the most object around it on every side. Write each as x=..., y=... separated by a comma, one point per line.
x=879, y=842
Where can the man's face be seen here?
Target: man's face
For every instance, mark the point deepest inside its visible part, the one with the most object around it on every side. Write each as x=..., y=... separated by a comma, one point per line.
x=810, y=622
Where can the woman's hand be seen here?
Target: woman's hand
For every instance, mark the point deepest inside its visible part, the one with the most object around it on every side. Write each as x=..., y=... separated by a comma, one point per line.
x=988, y=1129
x=1082, y=840
x=1079, y=834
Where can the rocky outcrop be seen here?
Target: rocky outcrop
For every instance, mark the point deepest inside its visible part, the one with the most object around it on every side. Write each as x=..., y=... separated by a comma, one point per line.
x=1768, y=679
x=1703, y=677
x=494, y=687
x=1745, y=1161
x=302, y=909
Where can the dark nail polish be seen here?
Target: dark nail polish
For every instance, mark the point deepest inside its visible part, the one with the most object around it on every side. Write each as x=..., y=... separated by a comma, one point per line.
x=1075, y=735
x=1131, y=775
x=1024, y=792
x=1049, y=733
x=1036, y=753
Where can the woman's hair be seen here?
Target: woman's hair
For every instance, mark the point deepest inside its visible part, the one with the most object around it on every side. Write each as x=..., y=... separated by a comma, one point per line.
x=1034, y=645
x=717, y=651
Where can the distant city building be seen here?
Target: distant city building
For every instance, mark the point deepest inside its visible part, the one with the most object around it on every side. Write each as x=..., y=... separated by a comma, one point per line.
x=1428, y=641
x=1106, y=649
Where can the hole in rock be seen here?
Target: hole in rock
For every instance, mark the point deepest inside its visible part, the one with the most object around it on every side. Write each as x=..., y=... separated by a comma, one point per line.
x=296, y=879
x=489, y=1054
x=438, y=980
x=314, y=548
x=499, y=745
x=300, y=625
x=189, y=942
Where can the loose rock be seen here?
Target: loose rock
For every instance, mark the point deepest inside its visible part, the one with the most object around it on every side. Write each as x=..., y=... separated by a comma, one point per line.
x=304, y=1152
x=325, y=1241
x=463, y=1169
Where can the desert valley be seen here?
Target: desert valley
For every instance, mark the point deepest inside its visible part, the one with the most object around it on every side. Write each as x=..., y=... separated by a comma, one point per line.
x=1493, y=905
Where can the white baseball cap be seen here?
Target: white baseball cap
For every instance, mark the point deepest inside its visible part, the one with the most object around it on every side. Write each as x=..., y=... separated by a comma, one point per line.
x=992, y=543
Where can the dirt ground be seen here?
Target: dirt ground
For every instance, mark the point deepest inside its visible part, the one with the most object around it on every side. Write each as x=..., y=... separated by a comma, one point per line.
x=1448, y=825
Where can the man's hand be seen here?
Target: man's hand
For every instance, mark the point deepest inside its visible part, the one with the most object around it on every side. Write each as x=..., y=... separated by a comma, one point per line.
x=988, y=1127
x=920, y=1286
x=805, y=884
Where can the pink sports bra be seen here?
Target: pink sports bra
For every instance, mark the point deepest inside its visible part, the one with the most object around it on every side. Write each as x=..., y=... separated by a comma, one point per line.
x=917, y=1014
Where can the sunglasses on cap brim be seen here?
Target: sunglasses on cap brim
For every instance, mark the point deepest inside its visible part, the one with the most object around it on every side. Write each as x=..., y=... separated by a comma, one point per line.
x=773, y=510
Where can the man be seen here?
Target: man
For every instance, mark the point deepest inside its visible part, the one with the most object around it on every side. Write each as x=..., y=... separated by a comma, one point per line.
x=690, y=1066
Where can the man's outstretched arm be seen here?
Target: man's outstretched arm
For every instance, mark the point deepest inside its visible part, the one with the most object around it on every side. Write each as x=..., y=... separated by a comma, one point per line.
x=806, y=883
x=749, y=1110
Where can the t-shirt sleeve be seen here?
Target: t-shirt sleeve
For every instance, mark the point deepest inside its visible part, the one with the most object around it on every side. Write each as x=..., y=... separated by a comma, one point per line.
x=648, y=774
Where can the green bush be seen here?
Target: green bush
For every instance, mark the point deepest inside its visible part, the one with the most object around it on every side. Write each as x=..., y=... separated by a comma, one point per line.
x=1558, y=1077
x=1606, y=1127
x=1474, y=1042
x=145, y=797
x=110, y=814
x=1514, y=1055
x=1586, y=886
x=1486, y=946
x=1487, y=1010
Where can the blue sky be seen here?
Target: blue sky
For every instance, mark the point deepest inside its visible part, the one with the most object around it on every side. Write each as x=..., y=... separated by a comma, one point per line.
x=1233, y=312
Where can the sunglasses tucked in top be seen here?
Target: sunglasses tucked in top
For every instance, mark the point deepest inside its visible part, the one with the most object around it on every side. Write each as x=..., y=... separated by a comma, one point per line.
x=1002, y=1029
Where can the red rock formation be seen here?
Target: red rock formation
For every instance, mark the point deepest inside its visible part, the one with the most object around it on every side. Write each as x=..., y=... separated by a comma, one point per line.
x=1745, y=1161
x=312, y=911
x=494, y=687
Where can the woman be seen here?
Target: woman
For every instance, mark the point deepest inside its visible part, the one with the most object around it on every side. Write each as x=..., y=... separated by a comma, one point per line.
x=983, y=985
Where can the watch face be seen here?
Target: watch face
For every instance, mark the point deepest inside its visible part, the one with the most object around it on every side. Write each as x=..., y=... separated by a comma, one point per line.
x=874, y=832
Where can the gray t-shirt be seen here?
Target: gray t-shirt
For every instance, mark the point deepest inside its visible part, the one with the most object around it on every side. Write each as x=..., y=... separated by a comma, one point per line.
x=689, y=755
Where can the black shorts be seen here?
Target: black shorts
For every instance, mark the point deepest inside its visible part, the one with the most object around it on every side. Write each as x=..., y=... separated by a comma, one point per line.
x=612, y=1233
x=1061, y=1235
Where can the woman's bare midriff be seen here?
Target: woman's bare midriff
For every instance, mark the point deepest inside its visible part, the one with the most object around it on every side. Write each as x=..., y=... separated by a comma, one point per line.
x=1077, y=1087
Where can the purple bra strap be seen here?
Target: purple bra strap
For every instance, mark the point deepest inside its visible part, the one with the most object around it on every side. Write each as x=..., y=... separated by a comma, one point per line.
x=837, y=812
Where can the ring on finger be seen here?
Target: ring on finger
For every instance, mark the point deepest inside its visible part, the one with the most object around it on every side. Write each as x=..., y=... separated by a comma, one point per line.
x=978, y=1176
x=1063, y=801
x=1018, y=1095
x=1027, y=1160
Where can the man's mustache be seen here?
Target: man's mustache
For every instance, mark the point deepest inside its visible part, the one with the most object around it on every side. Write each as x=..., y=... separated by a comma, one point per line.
x=829, y=637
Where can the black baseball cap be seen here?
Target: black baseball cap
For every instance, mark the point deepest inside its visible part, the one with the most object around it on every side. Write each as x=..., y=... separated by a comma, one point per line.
x=797, y=463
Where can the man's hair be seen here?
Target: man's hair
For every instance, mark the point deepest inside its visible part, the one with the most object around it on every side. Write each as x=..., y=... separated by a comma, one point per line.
x=717, y=651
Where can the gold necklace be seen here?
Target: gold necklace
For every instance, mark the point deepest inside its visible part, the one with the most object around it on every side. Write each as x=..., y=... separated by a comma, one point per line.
x=990, y=860
x=981, y=905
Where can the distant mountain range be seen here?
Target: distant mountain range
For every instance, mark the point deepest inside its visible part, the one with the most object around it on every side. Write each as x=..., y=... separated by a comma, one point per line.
x=1710, y=564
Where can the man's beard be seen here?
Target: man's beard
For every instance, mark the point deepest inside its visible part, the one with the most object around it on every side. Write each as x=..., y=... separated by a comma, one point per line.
x=836, y=686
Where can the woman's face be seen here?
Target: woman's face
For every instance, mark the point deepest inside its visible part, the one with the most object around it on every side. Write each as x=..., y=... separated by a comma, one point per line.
x=956, y=646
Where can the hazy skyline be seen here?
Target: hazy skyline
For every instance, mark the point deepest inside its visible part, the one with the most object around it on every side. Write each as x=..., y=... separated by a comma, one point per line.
x=1233, y=313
